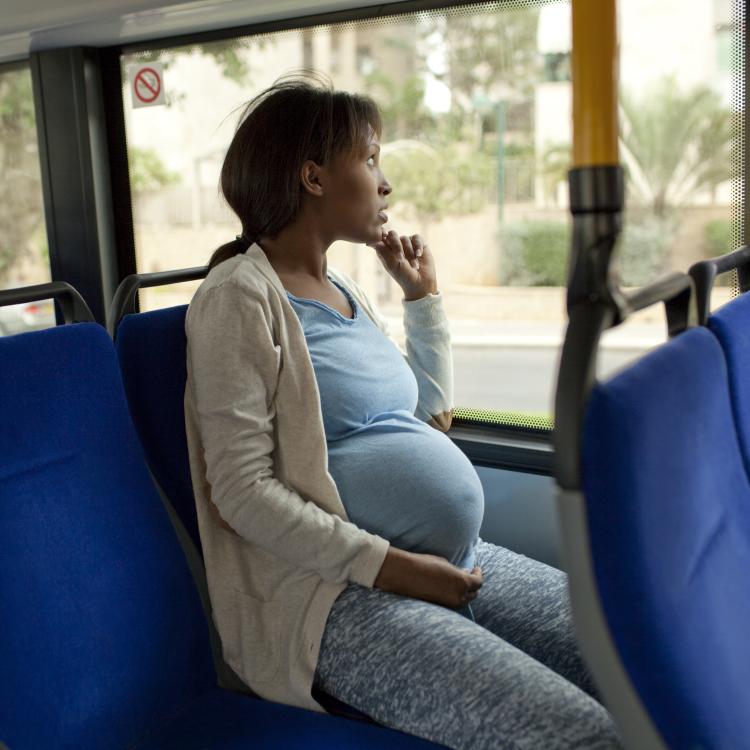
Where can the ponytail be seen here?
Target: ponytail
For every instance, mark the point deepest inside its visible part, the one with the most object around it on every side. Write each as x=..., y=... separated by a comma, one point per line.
x=228, y=250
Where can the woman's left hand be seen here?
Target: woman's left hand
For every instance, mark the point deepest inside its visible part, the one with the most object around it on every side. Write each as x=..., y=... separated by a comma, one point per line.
x=410, y=262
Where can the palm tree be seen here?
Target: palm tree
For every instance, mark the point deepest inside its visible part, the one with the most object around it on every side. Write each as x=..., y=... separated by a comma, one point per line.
x=674, y=144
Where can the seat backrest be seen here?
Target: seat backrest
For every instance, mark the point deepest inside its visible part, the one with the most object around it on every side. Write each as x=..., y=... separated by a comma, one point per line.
x=731, y=326
x=668, y=501
x=151, y=347
x=103, y=635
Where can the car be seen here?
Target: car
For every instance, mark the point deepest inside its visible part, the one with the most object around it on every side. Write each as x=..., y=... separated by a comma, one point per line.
x=29, y=316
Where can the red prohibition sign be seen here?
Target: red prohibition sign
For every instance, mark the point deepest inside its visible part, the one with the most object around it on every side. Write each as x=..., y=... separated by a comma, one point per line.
x=147, y=85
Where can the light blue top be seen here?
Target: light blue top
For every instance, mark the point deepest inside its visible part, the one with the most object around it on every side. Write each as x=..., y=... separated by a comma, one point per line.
x=398, y=477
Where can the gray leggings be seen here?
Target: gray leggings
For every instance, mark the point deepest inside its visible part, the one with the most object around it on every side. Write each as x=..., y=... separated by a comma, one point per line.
x=513, y=679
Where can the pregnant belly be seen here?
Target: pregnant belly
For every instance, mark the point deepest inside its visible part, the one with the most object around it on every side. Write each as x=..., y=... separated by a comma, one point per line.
x=409, y=483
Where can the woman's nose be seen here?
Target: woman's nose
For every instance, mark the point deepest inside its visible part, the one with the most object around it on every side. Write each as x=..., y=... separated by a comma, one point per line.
x=385, y=187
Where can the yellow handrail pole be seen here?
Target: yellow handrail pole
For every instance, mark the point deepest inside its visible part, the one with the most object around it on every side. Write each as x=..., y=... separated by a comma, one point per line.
x=597, y=198
x=595, y=68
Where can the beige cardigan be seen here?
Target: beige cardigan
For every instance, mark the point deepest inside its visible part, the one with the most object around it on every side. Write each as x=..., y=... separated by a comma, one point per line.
x=277, y=544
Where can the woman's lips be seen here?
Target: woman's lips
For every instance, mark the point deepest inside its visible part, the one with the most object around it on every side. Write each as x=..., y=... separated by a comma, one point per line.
x=383, y=216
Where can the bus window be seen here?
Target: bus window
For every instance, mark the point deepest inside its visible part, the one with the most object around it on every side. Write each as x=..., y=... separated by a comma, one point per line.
x=476, y=104
x=24, y=259
x=680, y=125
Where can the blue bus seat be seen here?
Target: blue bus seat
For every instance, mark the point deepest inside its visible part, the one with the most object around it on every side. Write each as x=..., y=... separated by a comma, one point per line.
x=731, y=326
x=668, y=507
x=151, y=347
x=104, y=643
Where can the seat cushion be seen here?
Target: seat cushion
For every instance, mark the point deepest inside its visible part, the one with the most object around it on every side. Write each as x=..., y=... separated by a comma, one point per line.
x=668, y=506
x=228, y=721
x=731, y=325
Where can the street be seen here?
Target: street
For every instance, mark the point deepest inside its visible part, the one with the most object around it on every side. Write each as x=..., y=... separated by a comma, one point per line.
x=515, y=378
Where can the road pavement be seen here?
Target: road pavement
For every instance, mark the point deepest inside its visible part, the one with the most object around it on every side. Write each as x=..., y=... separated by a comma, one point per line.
x=515, y=378
x=512, y=365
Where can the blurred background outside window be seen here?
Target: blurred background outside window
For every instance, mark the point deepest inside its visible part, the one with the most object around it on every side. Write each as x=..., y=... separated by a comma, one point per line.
x=476, y=105
x=24, y=258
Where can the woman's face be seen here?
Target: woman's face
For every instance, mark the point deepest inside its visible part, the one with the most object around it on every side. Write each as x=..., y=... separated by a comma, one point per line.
x=356, y=195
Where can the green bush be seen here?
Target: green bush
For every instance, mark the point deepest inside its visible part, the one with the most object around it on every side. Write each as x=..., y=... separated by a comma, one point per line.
x=534, y=253
x=717, y=235
x=438, y=182
x=148, y=171
x=719, y=239
x=642, y=251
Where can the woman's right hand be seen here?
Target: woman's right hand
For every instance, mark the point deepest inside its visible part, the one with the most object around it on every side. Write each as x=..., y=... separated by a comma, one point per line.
x=428, y=577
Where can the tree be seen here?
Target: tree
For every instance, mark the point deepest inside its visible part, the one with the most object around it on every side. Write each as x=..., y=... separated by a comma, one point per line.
x=21, y=211
x=675, y=144
x=437, y=181
x=401, y=106
x=229, y=54
x=147, y=170
x=489, y=51
x=554, y=166
x=20, y=187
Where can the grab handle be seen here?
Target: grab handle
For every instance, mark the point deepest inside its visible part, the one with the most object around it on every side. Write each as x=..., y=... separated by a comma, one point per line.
x=704, y=274
x=675, y=290
x=123, y=303
x=72, y=305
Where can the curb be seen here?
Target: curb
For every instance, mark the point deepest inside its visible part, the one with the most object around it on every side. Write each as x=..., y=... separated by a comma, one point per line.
x=542, y=342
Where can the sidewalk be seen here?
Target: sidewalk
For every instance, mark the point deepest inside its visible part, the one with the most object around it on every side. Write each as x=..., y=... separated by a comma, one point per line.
x=540, y=334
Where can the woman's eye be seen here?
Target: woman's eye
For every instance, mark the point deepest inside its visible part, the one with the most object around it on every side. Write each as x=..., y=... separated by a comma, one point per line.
x=371, y=161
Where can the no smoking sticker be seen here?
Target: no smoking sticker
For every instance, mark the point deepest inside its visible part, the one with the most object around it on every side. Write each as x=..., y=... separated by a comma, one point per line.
x=146, y=84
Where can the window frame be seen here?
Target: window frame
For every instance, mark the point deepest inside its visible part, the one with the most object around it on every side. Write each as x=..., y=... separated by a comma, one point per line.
x=486, y=443
x=12, y=66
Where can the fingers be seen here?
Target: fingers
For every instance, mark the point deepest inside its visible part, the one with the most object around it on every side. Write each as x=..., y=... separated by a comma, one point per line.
x=475, y=579
x=418, y=245
x=408, y=250
x=412, y=247
x=471, y=587
x=396, y=243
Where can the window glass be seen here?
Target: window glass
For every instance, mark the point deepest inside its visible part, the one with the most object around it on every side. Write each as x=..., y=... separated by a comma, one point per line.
x=24, y=258
x=476, y=104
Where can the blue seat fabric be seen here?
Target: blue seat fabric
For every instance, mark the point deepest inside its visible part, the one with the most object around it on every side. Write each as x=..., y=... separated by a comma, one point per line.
x=230, y=721
x=104, y=643
x=731, y=326
x=103, y=633
x=151, y=348
x=668, y=501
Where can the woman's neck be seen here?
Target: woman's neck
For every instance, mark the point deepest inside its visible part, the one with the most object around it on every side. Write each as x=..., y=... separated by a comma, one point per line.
x=298, y=251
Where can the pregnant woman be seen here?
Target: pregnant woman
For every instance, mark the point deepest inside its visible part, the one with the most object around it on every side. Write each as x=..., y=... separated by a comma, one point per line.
x=340, y=525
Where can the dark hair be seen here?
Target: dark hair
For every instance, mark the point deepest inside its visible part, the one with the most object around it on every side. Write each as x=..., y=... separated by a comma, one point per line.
x=298, y=118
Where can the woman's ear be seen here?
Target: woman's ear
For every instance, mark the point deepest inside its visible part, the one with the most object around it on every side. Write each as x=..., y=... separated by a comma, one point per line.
x=310, y=177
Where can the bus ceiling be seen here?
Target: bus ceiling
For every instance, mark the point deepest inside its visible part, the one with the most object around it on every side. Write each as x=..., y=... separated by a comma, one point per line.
x=47, y=24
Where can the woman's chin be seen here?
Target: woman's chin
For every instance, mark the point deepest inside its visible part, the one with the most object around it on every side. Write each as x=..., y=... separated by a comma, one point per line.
x=369, y=236
x=377, y=235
